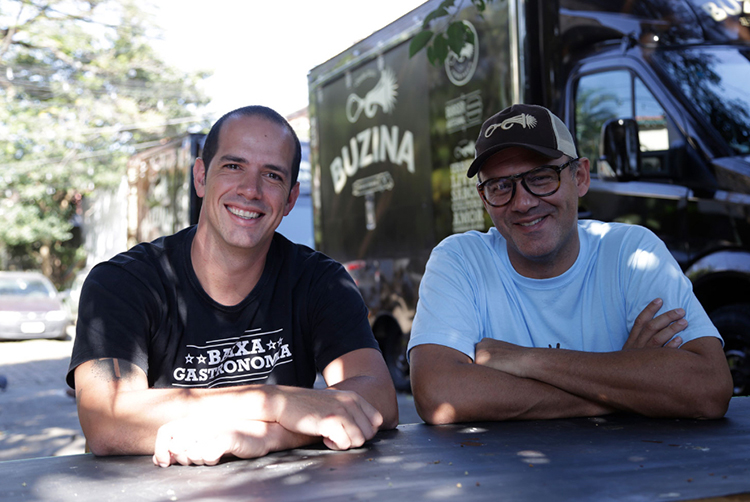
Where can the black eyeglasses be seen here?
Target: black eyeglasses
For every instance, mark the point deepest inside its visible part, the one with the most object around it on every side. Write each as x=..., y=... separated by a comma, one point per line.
x=540, y=181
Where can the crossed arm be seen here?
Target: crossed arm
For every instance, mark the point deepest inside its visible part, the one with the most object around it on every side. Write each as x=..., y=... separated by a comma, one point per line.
x=650, y=375
x=121, y=415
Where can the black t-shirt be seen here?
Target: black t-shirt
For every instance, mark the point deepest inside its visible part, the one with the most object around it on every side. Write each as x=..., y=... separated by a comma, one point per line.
x=147, y=306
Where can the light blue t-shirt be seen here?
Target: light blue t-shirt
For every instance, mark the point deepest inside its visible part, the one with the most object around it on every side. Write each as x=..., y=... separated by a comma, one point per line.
x=471, y=291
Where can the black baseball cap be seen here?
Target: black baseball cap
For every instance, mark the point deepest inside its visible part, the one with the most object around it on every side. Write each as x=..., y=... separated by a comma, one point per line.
x=528, y=126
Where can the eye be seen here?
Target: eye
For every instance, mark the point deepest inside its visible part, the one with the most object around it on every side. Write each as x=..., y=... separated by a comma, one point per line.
x=275, y=176
x=499, y=185
x=231, y=167
x=541, y=177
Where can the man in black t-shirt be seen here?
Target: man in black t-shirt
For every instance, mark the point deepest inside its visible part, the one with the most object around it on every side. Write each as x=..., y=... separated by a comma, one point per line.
x=207, y=342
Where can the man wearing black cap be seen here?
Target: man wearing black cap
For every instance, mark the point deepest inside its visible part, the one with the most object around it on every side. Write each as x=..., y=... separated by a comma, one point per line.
x=545, y=316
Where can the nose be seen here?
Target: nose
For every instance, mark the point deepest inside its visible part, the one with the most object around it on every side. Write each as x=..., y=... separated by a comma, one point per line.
x=523, y=200
x=250, y=186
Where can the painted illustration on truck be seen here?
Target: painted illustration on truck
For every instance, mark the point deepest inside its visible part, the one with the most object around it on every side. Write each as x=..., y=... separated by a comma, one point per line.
x=460, y=67
x=382, y=96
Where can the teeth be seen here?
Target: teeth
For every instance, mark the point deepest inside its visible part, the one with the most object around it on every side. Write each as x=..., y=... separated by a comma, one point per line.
x=243, y=214
x=531, y=222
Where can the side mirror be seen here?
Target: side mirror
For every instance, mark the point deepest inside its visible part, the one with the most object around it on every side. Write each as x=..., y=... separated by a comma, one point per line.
x=620, y=150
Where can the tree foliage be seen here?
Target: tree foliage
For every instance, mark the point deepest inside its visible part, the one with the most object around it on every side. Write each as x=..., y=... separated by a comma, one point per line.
x=452, y=37
x=81, y=90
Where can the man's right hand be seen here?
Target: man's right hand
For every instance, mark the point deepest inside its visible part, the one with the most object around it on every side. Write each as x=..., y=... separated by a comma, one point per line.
x=344, y=419
x=659, y=331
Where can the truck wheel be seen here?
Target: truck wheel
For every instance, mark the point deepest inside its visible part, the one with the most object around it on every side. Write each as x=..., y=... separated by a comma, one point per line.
x=733, y=323
x=393, y=345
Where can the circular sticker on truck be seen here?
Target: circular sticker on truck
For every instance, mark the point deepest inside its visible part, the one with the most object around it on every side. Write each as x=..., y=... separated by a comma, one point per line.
x=461, y=67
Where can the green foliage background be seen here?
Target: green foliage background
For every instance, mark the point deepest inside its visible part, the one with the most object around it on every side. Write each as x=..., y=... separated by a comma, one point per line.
x=81, y=89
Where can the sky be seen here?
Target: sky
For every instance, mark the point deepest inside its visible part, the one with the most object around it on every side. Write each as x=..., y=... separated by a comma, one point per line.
x=260, y=52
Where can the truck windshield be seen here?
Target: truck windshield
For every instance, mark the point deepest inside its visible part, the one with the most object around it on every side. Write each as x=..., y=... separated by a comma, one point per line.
x=714, y=80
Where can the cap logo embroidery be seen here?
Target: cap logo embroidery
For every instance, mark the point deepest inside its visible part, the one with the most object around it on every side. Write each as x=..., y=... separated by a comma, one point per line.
x=524, y=119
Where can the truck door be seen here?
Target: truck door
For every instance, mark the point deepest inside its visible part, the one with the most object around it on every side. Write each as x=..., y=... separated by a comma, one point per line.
x=654, y=197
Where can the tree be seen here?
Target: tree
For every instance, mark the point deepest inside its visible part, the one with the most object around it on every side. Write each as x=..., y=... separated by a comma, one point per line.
x=81, y=90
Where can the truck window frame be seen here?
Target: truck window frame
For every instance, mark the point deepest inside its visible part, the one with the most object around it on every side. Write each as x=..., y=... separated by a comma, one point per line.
x=676, y=128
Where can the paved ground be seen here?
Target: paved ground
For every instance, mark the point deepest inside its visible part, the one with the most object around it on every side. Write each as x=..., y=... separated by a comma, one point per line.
x=38, y=418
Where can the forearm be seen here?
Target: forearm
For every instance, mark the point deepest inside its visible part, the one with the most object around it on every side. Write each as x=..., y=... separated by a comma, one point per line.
x=449, y=388
x=650, y=381
x=127, y=425
x=495, y=395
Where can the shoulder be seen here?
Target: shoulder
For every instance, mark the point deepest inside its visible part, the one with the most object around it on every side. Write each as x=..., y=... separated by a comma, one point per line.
x=154, y=250
x=468, y=250
x=321, y=288
x=471, y=242
x=613, y=234
x=300, y=257
x=304, y=265
x=632, y=247
x=472, y=238
x=145, y=263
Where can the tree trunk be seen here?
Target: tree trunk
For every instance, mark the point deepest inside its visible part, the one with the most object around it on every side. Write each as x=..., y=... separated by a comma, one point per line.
x=44, y=252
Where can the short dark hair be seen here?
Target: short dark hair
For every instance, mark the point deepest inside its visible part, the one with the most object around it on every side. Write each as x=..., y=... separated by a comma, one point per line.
x=211, y=144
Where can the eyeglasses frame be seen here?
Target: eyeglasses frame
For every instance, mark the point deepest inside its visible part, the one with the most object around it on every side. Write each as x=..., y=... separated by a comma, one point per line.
x=522, y=176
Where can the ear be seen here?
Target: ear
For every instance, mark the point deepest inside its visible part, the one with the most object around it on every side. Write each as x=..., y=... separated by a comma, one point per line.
x=199, y=177
x=583, y=176
x=292, y=200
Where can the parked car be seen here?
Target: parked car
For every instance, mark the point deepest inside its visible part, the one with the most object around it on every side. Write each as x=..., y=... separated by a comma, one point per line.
x=30, y=307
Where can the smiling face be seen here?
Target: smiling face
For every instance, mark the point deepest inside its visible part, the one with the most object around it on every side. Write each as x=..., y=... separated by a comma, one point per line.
x=541, y=232
x=246, y=189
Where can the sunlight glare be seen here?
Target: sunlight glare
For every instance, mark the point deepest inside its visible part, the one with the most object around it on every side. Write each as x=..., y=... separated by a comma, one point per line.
x=643, y=260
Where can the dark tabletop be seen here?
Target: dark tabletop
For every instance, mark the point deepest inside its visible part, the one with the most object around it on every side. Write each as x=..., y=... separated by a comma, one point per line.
x=620, y=457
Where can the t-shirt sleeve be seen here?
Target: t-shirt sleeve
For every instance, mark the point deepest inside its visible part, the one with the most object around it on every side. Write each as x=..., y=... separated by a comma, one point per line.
x=447, y=311
x=650, y=272
x=338, y=315
x=113, y=318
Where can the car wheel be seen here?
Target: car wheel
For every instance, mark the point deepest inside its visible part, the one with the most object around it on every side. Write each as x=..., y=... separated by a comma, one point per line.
x=393, y=345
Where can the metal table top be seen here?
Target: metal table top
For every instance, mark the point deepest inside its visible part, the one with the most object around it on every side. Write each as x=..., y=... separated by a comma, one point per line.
x=619, y=457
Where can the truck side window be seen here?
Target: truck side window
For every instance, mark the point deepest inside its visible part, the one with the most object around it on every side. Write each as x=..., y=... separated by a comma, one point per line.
x=620, y=94
x=652, y=131
x=600, y=97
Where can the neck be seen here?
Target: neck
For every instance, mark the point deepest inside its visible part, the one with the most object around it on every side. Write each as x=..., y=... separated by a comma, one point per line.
x=227, y=274
x=547, y=266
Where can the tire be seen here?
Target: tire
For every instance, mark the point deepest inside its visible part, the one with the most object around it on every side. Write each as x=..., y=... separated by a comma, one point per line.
x=733, y=323
x=393, y=346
